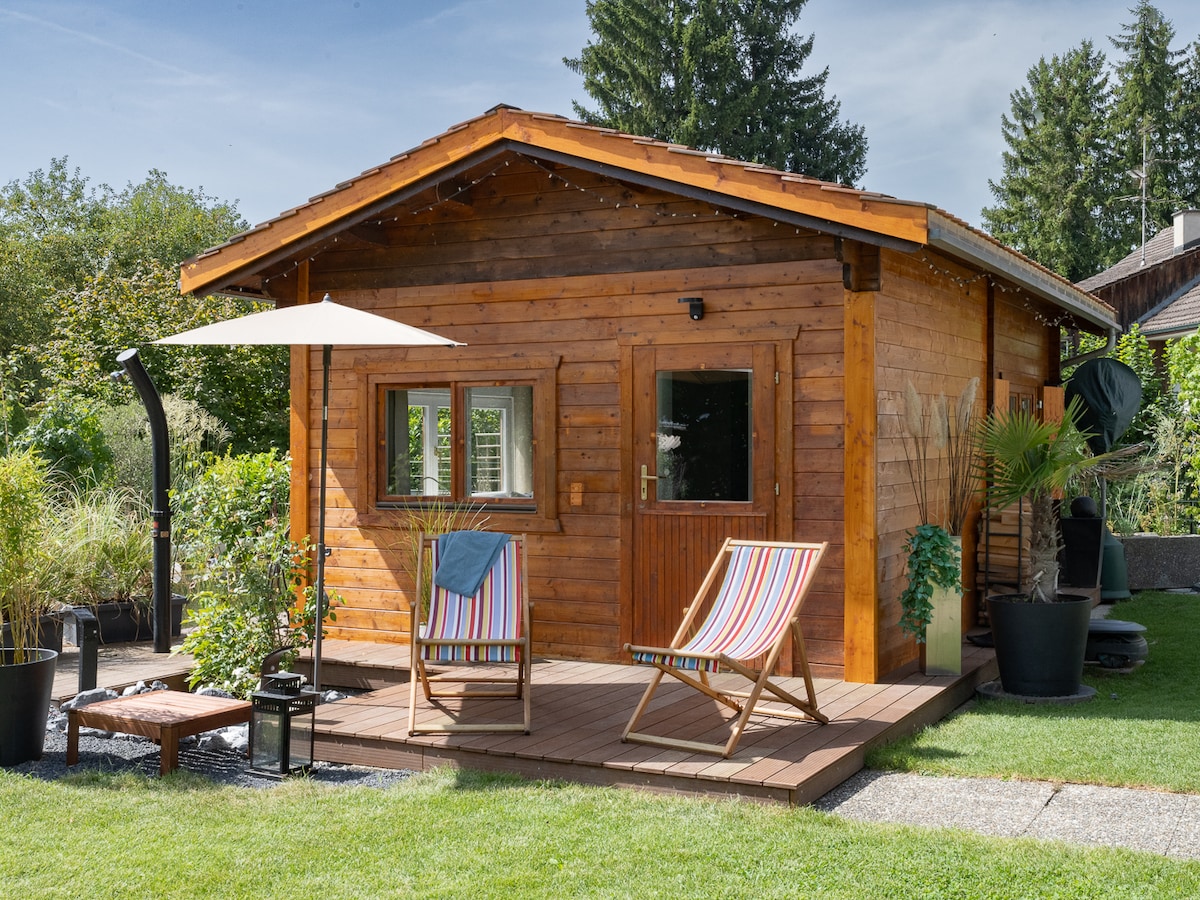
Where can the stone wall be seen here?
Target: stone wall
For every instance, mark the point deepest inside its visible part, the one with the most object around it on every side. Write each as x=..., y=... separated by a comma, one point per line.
x=1159, y=563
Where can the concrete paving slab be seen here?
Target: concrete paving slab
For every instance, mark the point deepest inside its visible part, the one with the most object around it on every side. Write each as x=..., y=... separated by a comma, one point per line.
x=1148, y=821
x=1111, y=817
x=988, y=806
x=1185, y=843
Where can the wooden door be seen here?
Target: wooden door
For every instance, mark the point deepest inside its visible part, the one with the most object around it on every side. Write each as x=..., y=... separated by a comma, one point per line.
x=704, y=469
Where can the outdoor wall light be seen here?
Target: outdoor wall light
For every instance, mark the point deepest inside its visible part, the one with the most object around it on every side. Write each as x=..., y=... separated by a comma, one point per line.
x=695, y=307
x=282, y=720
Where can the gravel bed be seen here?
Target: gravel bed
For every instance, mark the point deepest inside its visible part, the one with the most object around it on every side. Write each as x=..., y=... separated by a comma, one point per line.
x=218, y=755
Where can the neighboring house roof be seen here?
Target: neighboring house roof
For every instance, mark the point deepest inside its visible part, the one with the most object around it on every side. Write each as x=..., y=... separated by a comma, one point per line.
x=1157, y=286
x=1180, y=317
x=1158, y=249
x=747, y=187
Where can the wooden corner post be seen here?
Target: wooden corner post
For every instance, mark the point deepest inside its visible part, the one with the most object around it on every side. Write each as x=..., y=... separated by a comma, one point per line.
x=861, y=623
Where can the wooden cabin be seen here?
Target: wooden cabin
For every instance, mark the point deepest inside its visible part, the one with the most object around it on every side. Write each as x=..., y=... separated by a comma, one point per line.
x=664, y=347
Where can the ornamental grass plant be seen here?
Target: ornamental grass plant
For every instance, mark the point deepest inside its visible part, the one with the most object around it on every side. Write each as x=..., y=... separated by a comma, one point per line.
x=939, y=441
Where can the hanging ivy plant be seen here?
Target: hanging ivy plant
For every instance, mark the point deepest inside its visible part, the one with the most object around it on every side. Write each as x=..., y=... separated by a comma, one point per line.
x=933, y=561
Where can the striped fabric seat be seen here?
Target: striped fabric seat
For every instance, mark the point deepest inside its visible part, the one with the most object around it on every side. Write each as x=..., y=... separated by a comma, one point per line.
x=464, y=641
x=493, y=614
x=751, y=612
x=756, y=608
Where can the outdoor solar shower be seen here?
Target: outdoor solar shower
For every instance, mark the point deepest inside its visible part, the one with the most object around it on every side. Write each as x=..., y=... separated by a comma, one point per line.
x=160, y=515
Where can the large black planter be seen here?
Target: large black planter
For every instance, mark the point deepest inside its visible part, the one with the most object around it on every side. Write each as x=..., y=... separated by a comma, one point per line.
x=1040, y=646
x=130, y=620
x=49, y=636
x=25, y=692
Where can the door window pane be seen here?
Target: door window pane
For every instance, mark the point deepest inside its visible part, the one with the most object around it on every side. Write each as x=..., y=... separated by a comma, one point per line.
x=704, y=435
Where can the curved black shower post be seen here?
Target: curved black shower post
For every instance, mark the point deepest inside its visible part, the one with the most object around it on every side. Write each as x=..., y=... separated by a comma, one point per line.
x=160, y=516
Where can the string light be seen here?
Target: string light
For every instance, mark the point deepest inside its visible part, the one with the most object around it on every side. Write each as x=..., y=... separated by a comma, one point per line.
x=1063, y=320
x=552, y=176
x=964, y=282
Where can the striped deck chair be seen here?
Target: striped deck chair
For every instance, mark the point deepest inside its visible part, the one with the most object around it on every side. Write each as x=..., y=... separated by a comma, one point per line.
x=755, y=609
x=489, y=630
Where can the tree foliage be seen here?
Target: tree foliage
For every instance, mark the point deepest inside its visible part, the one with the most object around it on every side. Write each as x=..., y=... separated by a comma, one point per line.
x=87, y=272
x=1085, y=140
x=719, y=75
x=1054, y=186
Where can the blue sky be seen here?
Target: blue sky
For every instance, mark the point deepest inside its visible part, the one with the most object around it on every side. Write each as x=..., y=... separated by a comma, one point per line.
x=268, y=102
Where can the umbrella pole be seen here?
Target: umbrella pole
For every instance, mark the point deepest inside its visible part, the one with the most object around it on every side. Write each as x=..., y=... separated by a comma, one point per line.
x=326, y=353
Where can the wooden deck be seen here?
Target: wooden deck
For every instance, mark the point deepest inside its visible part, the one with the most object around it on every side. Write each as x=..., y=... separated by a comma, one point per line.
x=120, y=665
x=580, y=710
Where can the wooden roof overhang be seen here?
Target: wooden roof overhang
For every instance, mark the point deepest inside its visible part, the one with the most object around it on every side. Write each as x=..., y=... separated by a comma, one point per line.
x=238, y=266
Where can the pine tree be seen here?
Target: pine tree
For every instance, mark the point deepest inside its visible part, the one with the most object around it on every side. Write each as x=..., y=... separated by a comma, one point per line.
x=1050, y=198
x=1184, y=111
x=720, y=75
x=1143, y=131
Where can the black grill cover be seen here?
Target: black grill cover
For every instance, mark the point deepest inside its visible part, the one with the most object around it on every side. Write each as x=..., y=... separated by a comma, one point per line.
x=1110, y=396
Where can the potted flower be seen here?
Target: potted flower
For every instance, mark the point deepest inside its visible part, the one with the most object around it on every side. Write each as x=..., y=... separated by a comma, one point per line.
x=1040, y=636
x=939, y=447
x=26, y=670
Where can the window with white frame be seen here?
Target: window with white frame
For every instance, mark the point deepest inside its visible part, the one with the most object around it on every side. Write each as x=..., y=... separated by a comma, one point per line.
x=492, y=424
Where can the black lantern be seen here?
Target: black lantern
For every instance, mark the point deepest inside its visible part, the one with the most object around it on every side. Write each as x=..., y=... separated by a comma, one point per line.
x=282, y=719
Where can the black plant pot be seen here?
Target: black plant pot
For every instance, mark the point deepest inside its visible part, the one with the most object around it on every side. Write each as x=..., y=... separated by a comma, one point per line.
x=1040, y=646
x=129, y=620
x=25, y=692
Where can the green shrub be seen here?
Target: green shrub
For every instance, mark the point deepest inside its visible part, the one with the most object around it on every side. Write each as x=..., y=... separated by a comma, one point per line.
x=241, y=569
x=68, y=436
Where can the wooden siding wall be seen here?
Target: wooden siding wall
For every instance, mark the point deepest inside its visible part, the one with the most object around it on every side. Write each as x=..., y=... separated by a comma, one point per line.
x=525, y=266
x=932, y=333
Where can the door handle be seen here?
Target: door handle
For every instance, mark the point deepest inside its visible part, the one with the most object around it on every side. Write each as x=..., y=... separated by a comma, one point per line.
x=645, y=478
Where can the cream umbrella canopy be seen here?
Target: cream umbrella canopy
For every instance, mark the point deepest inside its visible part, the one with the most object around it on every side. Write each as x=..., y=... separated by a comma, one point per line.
x=314, y=324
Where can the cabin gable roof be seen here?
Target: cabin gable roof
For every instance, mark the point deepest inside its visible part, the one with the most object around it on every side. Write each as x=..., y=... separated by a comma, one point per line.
x=722, y=181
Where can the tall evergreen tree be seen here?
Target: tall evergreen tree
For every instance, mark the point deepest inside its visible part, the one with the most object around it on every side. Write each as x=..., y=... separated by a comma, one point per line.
x=1050, y=198
x=721, y=75
x=1184, y=109
x=1143, y=131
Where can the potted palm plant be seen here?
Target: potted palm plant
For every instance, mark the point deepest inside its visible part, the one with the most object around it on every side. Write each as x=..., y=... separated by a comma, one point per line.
x=939, y=448
x=1040, y=636
x=26, y=670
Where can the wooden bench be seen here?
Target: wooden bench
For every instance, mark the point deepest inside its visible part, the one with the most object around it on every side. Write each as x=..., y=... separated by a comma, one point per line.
x=162, y=716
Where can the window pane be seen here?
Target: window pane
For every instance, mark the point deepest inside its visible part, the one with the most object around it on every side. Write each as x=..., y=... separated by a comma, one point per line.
x=704, y=427
x=417, y=442
x=499, y=428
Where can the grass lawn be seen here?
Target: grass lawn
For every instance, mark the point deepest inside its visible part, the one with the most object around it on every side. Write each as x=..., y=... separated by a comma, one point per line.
x=456, y=834
x=448, y=834
x=1142, y=729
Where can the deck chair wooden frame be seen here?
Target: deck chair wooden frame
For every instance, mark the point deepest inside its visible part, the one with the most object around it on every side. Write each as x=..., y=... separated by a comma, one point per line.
x=742, y=625
x=465, y=648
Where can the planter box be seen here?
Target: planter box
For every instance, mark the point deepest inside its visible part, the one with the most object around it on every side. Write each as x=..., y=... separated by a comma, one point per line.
x=50, y=634
x=1162, y=562
x=127, y=620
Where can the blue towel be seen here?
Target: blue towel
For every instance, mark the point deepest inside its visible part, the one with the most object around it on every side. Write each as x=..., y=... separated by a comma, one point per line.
x=465, y=558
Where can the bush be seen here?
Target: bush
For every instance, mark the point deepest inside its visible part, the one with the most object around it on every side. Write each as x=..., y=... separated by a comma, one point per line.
x=243, y=570
x=68, y=436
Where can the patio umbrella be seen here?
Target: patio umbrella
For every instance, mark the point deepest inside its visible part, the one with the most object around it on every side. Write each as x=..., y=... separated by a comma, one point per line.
x=316, y=324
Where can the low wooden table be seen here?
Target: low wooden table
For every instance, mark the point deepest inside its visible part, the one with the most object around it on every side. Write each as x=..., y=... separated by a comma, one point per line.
x=162, y=716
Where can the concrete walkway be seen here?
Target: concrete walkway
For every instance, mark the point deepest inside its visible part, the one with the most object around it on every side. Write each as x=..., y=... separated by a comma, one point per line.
x=1150, y=821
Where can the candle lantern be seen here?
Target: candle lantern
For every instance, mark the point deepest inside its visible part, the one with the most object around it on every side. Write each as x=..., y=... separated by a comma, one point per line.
x=282, y=719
